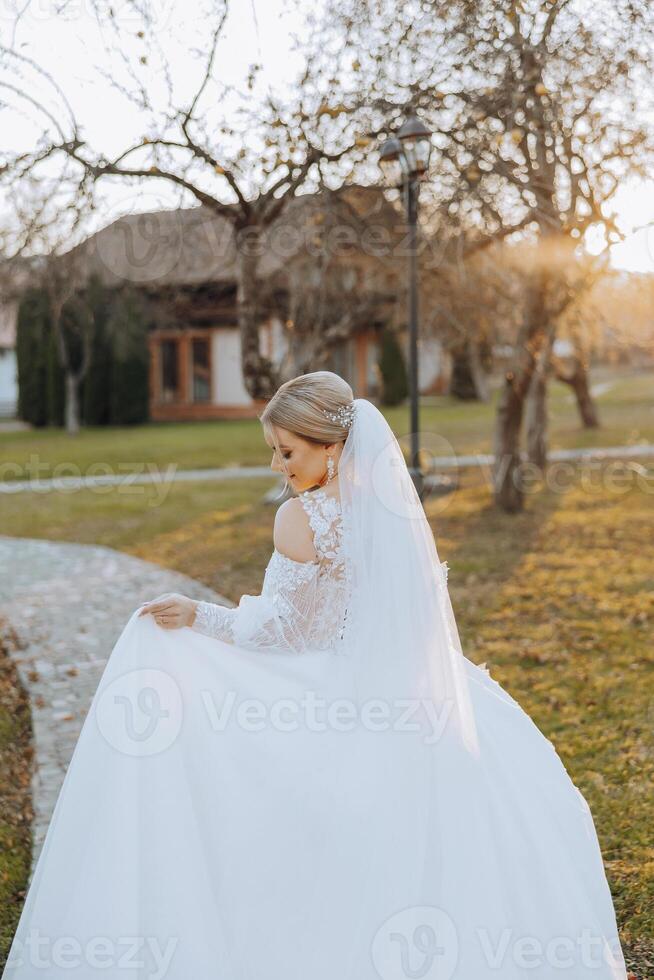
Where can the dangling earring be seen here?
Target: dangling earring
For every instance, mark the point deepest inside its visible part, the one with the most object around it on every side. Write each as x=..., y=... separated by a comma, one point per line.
x=330, y=468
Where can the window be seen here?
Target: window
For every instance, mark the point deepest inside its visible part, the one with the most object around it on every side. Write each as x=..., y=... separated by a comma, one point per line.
x=341, y=361
x=200, y=370
x=169, y=371
x=373, y=372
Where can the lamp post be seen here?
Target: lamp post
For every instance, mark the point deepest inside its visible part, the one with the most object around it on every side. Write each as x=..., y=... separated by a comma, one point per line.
x=404, y=159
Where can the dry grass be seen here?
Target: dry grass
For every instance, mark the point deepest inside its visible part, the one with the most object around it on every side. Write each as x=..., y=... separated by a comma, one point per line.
x=559, y=600
x=15, y=797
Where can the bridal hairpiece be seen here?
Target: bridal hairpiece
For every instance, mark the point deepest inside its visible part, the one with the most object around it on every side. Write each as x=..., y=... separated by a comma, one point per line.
x=343, y=415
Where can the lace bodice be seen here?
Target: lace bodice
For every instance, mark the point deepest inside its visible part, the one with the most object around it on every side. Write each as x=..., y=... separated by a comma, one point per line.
x=302, y=605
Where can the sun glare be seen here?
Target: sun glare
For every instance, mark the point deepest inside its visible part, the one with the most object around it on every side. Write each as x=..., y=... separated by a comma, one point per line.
x=634, y=206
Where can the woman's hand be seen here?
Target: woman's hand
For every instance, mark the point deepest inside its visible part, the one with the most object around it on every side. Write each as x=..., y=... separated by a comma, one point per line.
x=171, y=611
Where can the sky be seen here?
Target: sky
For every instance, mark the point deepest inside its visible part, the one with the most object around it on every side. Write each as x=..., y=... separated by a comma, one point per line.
x=634, y=207
x=71, y=47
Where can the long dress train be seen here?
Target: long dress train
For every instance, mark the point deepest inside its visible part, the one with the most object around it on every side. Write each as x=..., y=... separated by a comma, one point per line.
x=227, y=815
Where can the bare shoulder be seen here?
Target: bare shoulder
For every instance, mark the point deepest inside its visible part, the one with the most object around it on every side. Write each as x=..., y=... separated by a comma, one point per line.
x=292, y=534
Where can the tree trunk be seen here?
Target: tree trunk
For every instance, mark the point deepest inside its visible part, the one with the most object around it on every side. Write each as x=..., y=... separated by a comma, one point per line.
x=259, y=375
x=462, y=383
x=585, y=403
x=479, y=376
x=536, y=409
x=508, y=491
x=506, y=471
x=72, y=403
x=578, y=381
x=536, y=420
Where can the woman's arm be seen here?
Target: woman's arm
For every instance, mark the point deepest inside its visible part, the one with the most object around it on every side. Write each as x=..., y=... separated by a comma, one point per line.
x=280, y=620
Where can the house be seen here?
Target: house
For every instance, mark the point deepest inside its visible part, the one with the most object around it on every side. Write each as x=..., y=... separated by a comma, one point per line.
x=332, y=274
x=13, y=280
x=8, y=375
x=186, y=263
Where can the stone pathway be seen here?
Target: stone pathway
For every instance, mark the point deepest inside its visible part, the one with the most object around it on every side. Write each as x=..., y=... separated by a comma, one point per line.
x=67, y=604
x=158, y=477
x=151, y=474
x=644, y=451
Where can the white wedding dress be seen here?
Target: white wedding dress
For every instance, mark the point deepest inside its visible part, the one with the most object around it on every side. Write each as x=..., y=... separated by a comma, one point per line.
x=227, y=814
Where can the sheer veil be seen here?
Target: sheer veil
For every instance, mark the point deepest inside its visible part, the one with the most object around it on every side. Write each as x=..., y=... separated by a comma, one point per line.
x=399, y=628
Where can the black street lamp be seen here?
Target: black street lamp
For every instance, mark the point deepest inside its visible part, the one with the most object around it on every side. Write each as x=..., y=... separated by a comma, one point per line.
x=404, y=160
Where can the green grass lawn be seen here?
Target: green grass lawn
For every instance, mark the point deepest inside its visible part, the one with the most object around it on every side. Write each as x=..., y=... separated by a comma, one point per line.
x=448, y=426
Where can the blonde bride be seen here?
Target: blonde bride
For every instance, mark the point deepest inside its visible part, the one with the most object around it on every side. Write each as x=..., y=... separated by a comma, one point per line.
x=317, y=784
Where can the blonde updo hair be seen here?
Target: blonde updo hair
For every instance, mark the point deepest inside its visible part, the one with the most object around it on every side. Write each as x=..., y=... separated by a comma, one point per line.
x=299, y=406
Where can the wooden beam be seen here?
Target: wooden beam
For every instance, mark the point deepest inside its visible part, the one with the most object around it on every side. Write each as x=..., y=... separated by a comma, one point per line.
x=154, y=394
x=360, y=353
x=184, y=367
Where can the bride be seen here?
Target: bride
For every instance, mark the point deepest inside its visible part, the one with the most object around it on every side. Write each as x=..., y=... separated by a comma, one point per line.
x=317, y=784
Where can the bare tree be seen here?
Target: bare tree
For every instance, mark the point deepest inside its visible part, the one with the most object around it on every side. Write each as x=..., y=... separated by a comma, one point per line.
x=536, y=416
x=538, y=109
x=345, y=275
x=576, y=375
x=244, y=154
x=72, y=320
x=574, y=369
x=470, y=302
x=44, y=220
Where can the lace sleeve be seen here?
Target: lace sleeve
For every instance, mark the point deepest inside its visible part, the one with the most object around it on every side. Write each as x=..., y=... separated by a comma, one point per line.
x=214, y=620
x=281, y=618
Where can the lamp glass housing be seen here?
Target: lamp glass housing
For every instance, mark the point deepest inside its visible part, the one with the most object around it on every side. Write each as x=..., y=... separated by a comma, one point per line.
x=416, y=145
x=391, y=162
